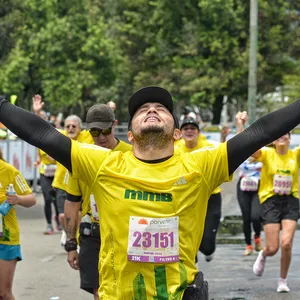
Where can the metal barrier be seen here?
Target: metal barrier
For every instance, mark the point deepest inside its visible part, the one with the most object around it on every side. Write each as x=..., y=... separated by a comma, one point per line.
x=22, y=156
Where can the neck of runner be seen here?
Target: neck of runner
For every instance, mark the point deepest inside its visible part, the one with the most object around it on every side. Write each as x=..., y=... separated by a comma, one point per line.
x=191, y=144
x=151, y=152
x=282, y=149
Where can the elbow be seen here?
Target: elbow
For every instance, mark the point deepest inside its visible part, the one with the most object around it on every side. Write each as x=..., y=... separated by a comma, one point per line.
x=32, y=201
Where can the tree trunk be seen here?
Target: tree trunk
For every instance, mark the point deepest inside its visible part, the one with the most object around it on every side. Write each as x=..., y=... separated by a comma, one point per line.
x=217, y=109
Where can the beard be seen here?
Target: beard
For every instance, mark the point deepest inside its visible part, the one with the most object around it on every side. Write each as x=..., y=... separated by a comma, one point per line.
x=72, y=135
x=152, y=137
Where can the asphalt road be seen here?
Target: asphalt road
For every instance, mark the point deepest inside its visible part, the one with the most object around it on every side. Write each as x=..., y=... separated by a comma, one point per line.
x=230, y=275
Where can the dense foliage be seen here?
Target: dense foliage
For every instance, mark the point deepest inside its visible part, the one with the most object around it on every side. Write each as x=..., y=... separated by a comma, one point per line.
x=76, y=53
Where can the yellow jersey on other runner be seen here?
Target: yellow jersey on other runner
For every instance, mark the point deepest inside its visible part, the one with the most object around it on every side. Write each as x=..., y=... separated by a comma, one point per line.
x=152, y=217
x=59, y=177
x=279, y=173
x=9, y=174
x=77, y=187
x=45, y=160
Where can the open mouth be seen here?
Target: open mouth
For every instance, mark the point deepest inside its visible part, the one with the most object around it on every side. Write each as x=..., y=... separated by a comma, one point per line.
x=152, y=119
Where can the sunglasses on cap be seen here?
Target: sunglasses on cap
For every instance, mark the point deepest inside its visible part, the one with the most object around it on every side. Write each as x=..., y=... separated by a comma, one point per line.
x=95, y=132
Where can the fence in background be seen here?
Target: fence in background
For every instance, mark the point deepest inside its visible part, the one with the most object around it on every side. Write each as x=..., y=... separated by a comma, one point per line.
x=22, y=156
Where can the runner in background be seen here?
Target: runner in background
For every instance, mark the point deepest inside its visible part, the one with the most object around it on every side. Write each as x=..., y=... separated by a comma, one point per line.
x=101, y=125
x=112, y=105
x=279, y=196
x=191, y=140
x=10, y=250
x=72, y=129
x=247, y=194
x=47, y=170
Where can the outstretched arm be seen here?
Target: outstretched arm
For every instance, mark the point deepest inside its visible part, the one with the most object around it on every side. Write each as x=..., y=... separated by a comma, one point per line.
x=262, y=132
x=36, y=131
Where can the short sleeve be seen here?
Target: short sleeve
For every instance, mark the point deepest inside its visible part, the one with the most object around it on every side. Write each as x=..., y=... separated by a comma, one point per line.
x=297, y=152
x=263, y=154
x=213, y=164
x=87, y=160
x=72, y=186
x=20, y=184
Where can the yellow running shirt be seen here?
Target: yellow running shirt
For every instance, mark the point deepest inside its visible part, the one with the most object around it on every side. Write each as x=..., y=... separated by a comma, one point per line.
x=202, y=143
x=8, y=175
x=59, y=177
x=45, y=161
x=279, y=174
x=79, y=188
x=150, y=213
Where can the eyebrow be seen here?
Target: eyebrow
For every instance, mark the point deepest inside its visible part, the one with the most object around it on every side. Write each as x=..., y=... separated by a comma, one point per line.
x=148, y=104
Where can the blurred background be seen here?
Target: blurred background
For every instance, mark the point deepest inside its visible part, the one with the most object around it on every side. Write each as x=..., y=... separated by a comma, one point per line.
x=81, y=52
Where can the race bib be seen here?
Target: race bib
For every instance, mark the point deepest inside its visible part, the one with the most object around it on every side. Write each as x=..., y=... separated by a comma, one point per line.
x=153, y=240
x=282, y=184
x=49, y=170
x=249, y=184
x=94, y=208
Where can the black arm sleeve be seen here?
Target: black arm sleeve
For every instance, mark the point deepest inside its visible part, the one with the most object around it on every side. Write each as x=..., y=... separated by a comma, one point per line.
x=36, y=131
x=262, y=132
x=73, y=198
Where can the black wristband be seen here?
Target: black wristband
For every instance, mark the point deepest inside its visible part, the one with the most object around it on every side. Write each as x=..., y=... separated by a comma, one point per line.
x=71, y=245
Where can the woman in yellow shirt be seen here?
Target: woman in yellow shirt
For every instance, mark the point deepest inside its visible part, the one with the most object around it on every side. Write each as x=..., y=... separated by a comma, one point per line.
x=47, y=170
x=278, y=194
x=10, y=251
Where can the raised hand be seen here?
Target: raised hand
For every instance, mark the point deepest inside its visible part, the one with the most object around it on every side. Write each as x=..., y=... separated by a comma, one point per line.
x=37, y=103
x=241, y=117
x=224, y=133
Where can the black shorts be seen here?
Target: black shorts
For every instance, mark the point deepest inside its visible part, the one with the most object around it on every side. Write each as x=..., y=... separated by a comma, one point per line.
x=61, y=197
x=88, y=263
x=278, y=208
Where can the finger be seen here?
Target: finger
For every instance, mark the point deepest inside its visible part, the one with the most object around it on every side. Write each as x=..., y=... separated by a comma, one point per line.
x=72, y=265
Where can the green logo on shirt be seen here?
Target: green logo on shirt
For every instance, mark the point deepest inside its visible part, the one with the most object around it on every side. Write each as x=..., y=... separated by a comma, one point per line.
x=284, y=171
x=148, y=196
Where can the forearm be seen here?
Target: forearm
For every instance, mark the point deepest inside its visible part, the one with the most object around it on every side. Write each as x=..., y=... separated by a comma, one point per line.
x=264, y=131
x=37, y=132
x=26, y=200
x=71, y=218
x=240, y=127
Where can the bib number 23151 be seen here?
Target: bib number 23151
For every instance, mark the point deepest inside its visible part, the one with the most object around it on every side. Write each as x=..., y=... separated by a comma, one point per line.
x=153, y=240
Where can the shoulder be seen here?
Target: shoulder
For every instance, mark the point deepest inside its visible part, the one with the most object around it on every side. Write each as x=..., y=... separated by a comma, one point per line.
x=211, y=150
x=211, y=143
x=85, y=137
x=123, y=146
x=8, y=167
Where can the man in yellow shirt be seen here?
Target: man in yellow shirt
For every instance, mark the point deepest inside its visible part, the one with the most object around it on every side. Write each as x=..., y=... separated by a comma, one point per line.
x=152, y=201
x=192, y=140
x=101, y=125
x=72, y=129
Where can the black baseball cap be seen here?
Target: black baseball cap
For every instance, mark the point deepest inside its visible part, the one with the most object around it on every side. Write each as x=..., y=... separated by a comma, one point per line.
x=100, y=116
x=151, y=94
x=188, y=121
